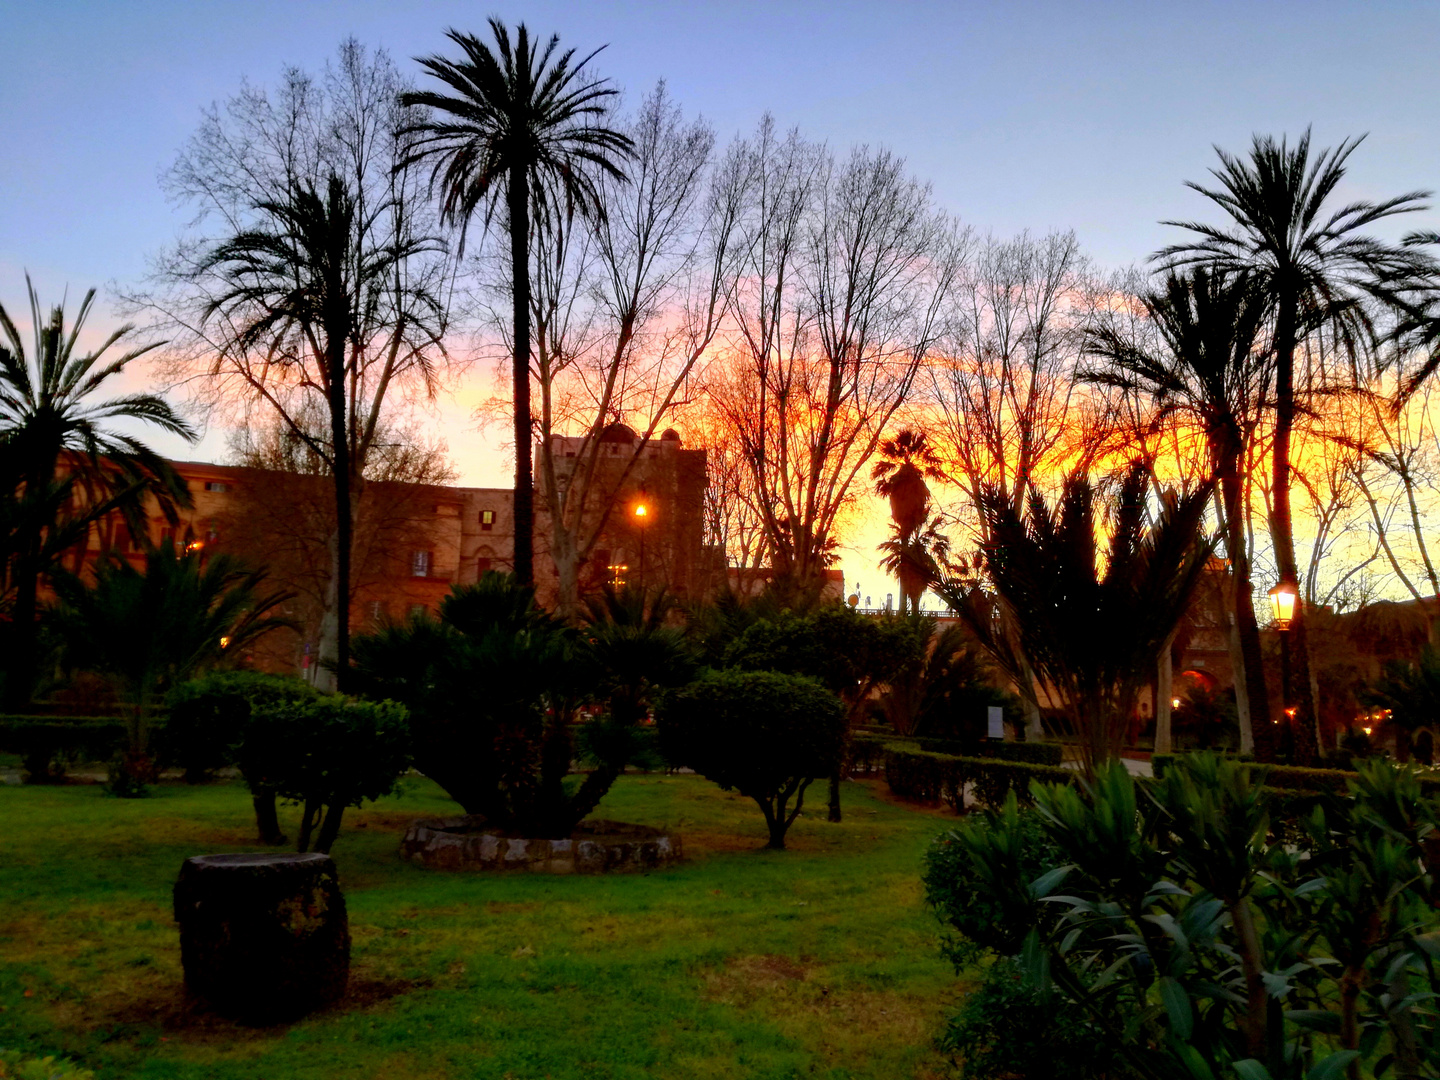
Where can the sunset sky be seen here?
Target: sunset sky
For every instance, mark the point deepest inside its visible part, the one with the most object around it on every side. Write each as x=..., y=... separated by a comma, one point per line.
x=1084, y=116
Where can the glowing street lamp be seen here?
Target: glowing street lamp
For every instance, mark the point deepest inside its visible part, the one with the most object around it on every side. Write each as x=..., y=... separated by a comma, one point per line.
x=1284, y=599
x=642, y=518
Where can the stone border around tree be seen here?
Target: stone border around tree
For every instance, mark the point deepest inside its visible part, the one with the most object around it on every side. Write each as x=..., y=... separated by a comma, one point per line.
x=596, y=847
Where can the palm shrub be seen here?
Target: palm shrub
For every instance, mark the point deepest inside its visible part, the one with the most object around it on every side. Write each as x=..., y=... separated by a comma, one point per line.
x=495, y=686
x=1199, y=942
x=150, y=629
x=1090, y=628
x=763, y=734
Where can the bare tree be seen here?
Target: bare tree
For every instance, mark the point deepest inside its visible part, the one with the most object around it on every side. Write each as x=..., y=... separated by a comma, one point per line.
x=837, y=301
x=624, y=309
x=309, y=276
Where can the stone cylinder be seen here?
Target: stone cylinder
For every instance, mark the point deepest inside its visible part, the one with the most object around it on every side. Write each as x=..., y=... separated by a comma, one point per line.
x=263, y=938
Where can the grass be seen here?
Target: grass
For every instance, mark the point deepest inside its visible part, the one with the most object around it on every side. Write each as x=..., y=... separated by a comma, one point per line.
x=817, y=962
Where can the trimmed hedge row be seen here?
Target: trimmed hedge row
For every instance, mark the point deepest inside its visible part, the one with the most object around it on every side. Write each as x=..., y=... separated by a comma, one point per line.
x=1299, y=778
x=40, y=741
x=865, y=754
x=1032, y=753
x=926, y=776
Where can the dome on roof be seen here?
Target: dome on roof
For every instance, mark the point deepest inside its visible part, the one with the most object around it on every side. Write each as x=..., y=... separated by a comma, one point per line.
x=670, y=435
x=618, y=432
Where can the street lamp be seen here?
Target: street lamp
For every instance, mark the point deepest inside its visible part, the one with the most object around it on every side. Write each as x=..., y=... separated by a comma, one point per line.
x=1284, y=603
x=1284, y=599
x=642, y=517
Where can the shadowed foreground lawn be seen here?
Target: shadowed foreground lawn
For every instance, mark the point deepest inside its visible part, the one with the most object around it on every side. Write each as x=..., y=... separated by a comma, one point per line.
x=820, y=961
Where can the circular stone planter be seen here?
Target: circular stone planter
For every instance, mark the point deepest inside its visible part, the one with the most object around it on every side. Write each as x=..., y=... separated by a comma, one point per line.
x=596, y=847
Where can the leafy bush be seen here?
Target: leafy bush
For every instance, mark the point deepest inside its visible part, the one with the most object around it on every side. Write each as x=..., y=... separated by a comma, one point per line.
x=44, y=744
x=763, y=734
x=210, y=724
x=13, y=1066
x=1006, y=1029
x=1227, y=950
x=334, y=753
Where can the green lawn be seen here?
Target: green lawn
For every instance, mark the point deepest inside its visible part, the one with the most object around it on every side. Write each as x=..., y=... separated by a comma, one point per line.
x=816, y=962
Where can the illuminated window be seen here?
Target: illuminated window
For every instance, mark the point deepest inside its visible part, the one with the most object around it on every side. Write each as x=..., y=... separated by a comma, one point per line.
x=420, y=564
x=216, y=485
x=487, y=519
x=417, y=609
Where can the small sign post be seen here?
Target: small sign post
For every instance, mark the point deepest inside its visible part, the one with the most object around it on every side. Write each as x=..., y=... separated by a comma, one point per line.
x=997, y=722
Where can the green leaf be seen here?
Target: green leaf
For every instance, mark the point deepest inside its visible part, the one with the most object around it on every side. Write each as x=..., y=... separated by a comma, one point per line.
x=1315, y=1019
x=1046, y=882
x=1332, y=1066
x=1251, y=1069
x=1177, y=1007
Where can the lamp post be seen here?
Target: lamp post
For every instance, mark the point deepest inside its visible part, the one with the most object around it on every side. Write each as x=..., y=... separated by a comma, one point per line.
x=642, y=518
x=1284, y=601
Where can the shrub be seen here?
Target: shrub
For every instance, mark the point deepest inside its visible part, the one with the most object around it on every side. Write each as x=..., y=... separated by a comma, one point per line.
x=210, y=725
x=333, y=752
x=44, y=744
x=931, y=777
x=493, y=688
x=1032, y=753
x=1186, y=903
x=765, y=735
x=1008, y=1029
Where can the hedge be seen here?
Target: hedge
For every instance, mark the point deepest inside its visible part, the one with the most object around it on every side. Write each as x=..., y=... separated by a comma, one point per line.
x=1300, y=779
x=1031, y=753
x=865, y=754
x=39, y=741
x=929, y=777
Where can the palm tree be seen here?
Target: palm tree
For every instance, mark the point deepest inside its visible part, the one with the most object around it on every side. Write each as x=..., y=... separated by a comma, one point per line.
x=149, y=630
x=58, y=451
x=915, y=557
x=1210, y=369
x=1313, y=262
x=297, y=286
x=1091, y=636
x=524, y=123
x=905, y=462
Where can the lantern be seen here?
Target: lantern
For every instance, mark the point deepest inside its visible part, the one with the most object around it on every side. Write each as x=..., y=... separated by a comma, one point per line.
x=1284, y=599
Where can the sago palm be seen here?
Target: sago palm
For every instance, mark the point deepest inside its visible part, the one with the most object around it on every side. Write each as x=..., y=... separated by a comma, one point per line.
x=150, y=629
x=521, y=126
x=1090, y=623
x=63, y=464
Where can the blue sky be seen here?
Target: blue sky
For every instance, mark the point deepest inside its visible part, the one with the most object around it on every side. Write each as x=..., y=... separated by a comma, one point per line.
x=1078, y=115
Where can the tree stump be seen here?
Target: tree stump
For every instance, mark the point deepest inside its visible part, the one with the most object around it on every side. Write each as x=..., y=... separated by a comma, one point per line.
x=263, y=938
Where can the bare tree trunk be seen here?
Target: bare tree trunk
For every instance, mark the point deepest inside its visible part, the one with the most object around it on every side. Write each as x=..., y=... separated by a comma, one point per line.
x=327, y=653
x=1164, y=687
x=519, y=207
x=1251, y=670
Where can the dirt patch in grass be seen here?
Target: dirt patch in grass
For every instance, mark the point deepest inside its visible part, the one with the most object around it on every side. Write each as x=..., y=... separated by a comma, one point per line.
x=164, y=1005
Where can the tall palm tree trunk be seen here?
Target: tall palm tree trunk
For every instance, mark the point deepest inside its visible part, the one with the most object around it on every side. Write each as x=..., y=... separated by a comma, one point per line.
x=1296, y=694
x=344, y=521
x=519, y=212
x=1248, y=631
